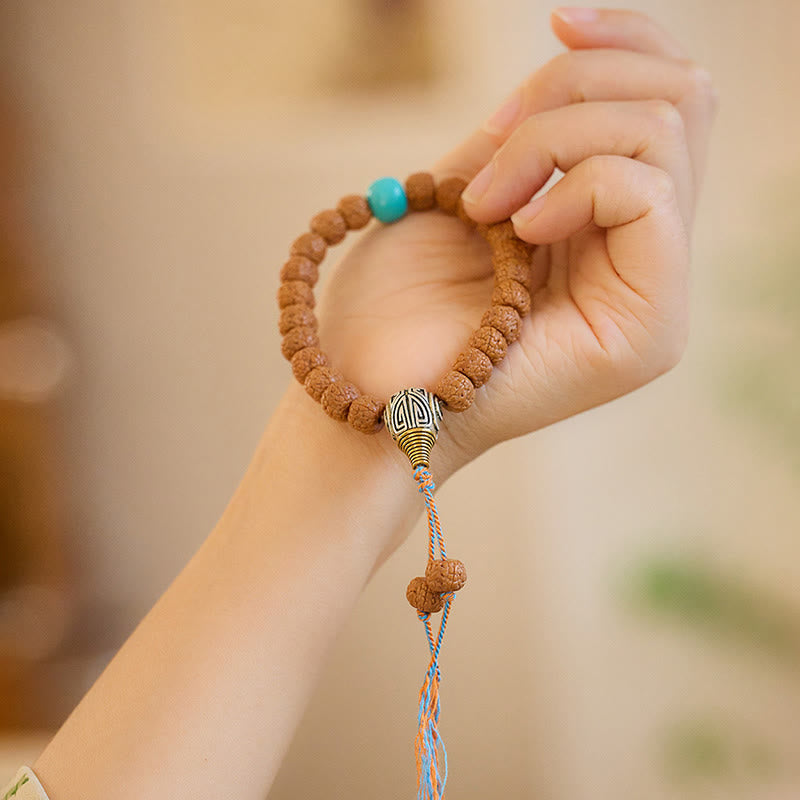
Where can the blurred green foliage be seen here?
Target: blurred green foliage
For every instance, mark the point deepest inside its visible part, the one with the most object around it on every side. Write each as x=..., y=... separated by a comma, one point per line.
x=712, y=603
x=755, y=372
x=704, y=749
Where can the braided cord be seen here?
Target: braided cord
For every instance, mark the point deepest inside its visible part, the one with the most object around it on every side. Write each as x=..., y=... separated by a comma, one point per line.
x=429, y=749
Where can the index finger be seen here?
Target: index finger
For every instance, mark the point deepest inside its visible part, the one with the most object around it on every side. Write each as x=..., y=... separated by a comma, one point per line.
x=637, y=34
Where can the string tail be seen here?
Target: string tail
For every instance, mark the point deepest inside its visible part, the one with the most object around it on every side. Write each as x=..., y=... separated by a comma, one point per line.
x=429, y=748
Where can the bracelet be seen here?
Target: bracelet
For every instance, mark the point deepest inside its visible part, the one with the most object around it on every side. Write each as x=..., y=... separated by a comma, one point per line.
x=387, y=201
x=412, y=416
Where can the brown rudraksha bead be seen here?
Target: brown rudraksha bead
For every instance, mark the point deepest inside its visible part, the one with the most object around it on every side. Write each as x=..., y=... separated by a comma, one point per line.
x=355, y=211
x=319, y=379
x=448, y=193
x=475, y=364
x=511, y=293
x=490, y=341
x=303, y=361
x=500, y=232
x=420, y=191
x=446, y=575
x=512, y=268
x=337, y=398
x=300, y=268
x=330, y=225
x=295, y=316
x=511, y=247
x=506, y=319
x=423, y=598
x=456, y=391
x=297, y=339
x=294, y=293
x=366, y=414
x=310, y=245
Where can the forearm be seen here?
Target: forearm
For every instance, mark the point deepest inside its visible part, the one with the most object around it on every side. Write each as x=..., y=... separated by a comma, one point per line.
x=210, y=687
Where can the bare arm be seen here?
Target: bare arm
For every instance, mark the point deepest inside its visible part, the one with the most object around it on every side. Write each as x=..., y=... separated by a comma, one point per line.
x=214, y=680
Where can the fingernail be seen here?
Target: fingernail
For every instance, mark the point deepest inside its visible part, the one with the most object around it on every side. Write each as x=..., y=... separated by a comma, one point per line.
x=575, y=16
x=528, y=212
x=480, y=183
x=501, y=121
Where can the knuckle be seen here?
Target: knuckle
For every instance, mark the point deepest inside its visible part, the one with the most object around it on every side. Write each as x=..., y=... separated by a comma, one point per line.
x=563, y=70
x=559, y=64
x=662, y=186
x=702, y=84
x=596, y=167
x=664, y=116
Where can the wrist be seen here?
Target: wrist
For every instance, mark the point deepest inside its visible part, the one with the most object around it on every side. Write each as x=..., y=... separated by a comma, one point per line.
x=321, y=474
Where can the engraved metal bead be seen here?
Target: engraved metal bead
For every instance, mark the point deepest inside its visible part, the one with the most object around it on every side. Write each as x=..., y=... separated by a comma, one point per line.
x=412, y=418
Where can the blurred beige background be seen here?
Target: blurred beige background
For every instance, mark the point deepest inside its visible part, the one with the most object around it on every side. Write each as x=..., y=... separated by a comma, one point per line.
x=644, y=644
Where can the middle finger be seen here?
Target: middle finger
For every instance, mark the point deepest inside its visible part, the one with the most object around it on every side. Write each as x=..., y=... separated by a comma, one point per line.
x=593, y=76
x=651, y=131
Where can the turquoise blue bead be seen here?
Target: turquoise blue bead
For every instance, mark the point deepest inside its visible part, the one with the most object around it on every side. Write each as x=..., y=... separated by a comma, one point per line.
x=387, y=199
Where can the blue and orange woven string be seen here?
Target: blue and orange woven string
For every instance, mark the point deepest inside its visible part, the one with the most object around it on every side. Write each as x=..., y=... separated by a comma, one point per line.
x=429, y=748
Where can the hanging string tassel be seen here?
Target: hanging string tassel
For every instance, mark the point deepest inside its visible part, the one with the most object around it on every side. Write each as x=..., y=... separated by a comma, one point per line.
x=412, y=418
x=429, y=749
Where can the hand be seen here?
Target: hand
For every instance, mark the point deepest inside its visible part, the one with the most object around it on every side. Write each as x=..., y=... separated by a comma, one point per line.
x=314, y=515
x=627, y=118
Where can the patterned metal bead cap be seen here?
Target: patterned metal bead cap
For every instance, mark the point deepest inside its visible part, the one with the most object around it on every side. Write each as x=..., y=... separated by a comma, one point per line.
x=412, y=417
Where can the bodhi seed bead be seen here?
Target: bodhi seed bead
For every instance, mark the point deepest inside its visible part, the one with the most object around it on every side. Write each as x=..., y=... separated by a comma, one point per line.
x=446, y=575
x=303, y=361
x=512, y=248
x=421, y=191
x=330, y=225
x=423, y=598
x=490, y=341
x=319, y=379
x=310, y=245
x=355, y=211
x=297, y=339
x=499, y=232
x=387, y=199
x=292, y=293
x=515, y=269
x=511, y=293
x=506, y=319
x=337, y=398
x=448, y=193
x=456, y=391
x=366, y=414
x=295, y=316
x=475, y=364
x=300, y=268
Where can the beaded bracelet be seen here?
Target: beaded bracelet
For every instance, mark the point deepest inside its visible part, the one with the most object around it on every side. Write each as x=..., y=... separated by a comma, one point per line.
x=412, y=416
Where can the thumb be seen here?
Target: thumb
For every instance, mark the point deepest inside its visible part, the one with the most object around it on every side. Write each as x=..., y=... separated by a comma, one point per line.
x=468, y=158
